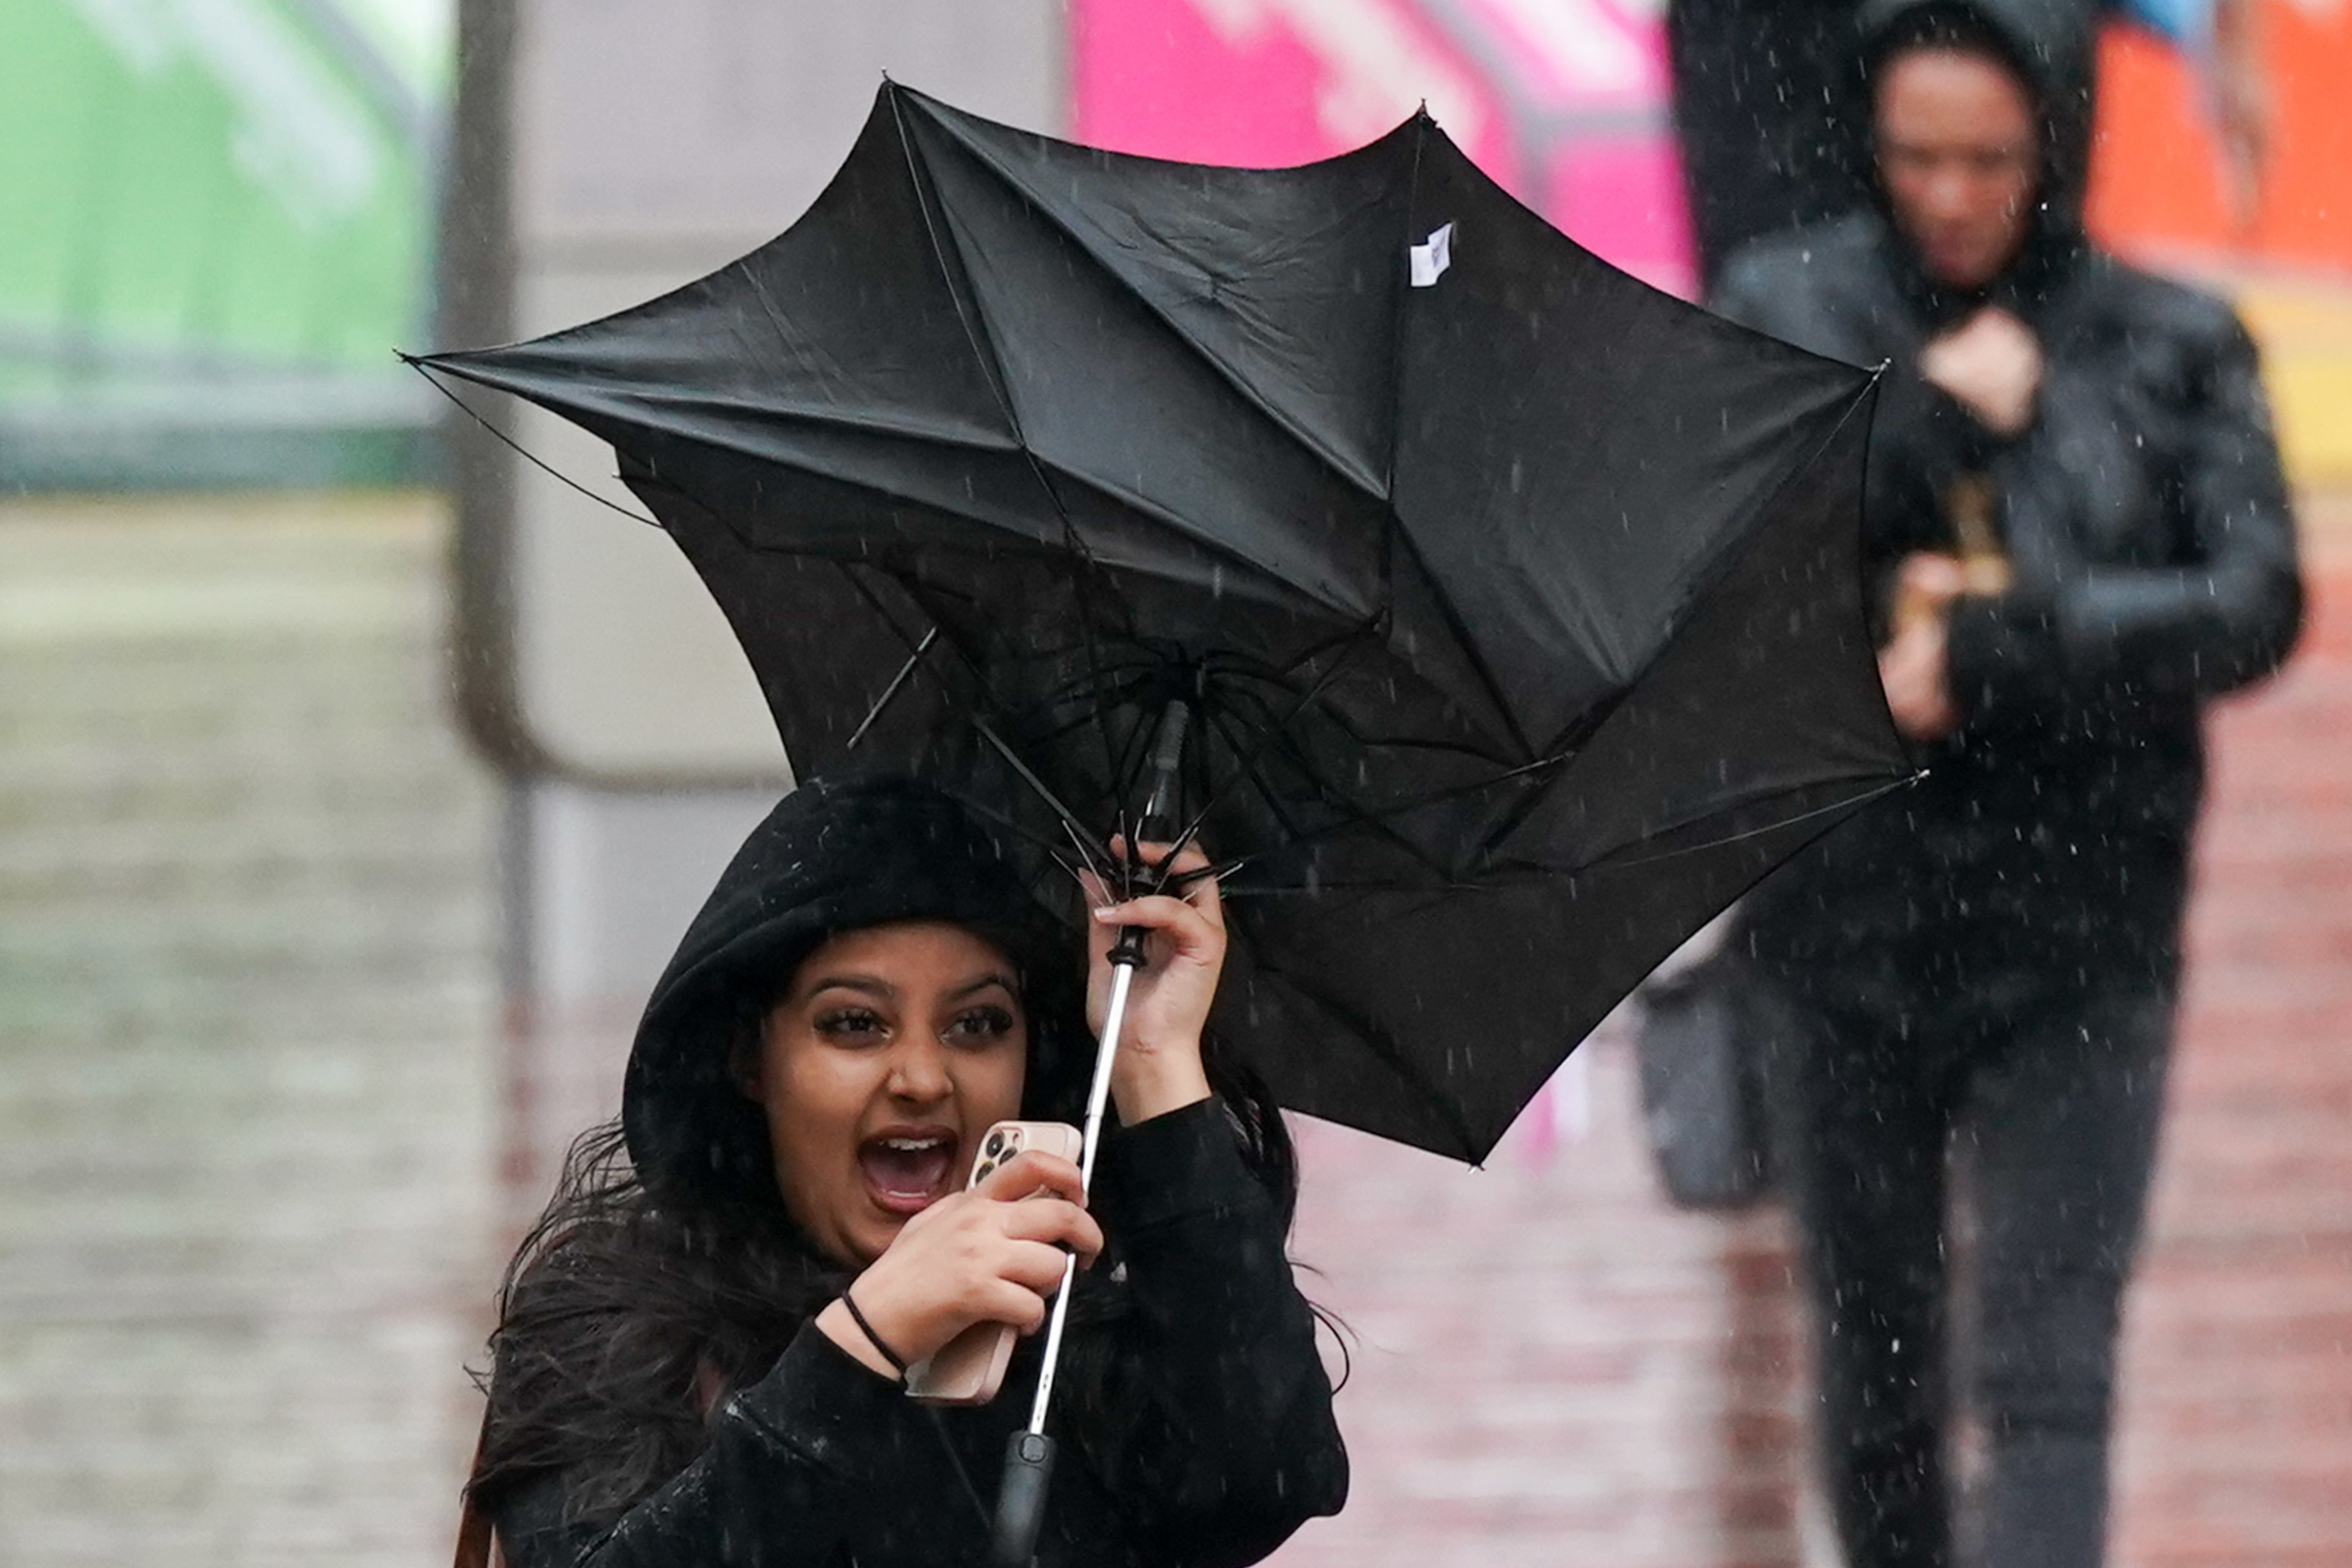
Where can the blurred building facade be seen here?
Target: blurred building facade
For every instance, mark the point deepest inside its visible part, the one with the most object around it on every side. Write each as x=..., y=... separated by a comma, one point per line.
x=219, y=222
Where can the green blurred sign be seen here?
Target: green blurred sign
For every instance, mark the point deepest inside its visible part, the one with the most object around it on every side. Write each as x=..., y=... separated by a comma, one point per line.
x=215, y=225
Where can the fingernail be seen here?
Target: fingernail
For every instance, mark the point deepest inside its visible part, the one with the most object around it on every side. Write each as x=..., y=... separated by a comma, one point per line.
x=1108, y=911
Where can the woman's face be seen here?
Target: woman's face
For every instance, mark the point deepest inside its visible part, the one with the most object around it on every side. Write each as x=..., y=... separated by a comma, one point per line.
x=892, y=1052
x=1957, y=154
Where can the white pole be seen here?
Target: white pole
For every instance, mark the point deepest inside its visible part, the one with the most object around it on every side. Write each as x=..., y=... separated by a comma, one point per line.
x=1097, y=1095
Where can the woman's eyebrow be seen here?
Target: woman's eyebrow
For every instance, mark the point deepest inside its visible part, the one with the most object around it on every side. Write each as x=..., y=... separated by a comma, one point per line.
x=983, y=983
x=869, y=984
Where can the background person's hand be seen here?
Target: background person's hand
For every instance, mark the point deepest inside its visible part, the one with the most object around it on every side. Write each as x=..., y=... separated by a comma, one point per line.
x=2238, y=92
x=1158, y=1068
x=1992, y=365
x=994, y=1253
x=1914, y=665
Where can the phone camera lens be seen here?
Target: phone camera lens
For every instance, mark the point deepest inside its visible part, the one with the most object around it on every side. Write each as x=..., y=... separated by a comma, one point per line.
x=995, y=1143
x=981, y=1174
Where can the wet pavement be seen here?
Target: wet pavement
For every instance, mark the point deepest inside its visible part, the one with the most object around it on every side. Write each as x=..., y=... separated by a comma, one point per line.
x=254, y=1108
x=246, y=1037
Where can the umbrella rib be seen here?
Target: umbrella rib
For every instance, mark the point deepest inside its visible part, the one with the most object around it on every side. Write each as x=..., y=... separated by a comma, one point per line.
x=1398, y=534
x=1421, y=122
x=869, y=485
x=1884, y=786
x=1587, y=724
x=1070, y=823
x=983, y=350
x=1043, y=843
x=1364, y=819
x=1274, y=807
x=897, y=681
x=717, y=442
x=417, y=363
x=1000, y=384
x=861, y=425
x=971, y=666
x=1360, y=482
x=1249, y=760
x=1475, y=656
x=1176, y=522
x=1029, y=776
x=1743, y=539
x=974, y=322
x=1359, y=820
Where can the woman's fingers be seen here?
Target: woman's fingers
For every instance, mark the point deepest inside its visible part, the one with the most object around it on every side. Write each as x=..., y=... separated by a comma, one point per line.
x=1032, y=1171
x=1006, y=1302
x=1933, y=576
x=1195, y=933
x=1036, y=1266
x=1181, y=873
x=1055, y=1224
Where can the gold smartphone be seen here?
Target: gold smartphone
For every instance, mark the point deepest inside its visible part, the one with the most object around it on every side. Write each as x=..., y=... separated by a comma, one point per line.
x=970, y=1368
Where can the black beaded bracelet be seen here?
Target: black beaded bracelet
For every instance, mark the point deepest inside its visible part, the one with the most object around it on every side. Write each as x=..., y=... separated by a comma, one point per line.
x=878, y=1343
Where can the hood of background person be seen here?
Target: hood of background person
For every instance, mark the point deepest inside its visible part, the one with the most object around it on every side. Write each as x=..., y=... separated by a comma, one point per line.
x=831, y=857
x=2051, y=45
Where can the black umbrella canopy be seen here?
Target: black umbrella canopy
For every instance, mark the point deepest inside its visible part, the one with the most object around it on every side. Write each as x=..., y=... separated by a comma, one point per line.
x=1516, y=604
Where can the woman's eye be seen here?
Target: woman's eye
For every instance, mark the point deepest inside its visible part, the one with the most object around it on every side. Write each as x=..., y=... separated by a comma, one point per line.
x=982, y=1026
x=849, y=1024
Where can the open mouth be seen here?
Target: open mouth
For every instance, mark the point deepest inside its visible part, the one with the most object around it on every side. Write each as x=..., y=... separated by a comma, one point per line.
x=906, y=1172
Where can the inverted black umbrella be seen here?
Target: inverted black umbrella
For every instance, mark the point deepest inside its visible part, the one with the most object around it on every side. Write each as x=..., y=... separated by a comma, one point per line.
x=1496, y=616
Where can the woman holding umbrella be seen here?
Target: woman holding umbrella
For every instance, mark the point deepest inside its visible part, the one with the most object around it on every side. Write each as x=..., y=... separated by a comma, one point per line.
x=702, y=1342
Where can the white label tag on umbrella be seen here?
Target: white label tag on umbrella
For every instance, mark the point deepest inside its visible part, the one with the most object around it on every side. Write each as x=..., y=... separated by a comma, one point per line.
x=1433, y=255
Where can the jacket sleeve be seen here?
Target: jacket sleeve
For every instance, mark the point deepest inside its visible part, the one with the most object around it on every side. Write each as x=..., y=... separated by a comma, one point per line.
x=793, y=1462
x=1236, y=1446
x=2226, y=617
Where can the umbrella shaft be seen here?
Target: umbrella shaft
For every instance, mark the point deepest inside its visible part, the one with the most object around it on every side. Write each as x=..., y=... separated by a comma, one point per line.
x=1122, y=976
x=1158, y=816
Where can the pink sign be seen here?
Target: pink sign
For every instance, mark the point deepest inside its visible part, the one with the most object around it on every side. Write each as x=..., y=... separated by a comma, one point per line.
x=1563, y=101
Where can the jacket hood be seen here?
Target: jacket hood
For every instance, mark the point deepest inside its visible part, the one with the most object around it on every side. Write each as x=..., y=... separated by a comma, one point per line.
x=2050, y=45
x=831, y=857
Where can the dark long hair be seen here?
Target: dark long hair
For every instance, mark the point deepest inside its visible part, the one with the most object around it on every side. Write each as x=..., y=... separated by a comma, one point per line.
x=622, y=1319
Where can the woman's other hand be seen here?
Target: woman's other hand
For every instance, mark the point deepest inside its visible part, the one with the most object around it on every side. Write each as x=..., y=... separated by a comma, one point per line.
x=1914, y=665
x=994, y=1253
x=1991, y=365
x=1158, y=1068
x=2238, y=92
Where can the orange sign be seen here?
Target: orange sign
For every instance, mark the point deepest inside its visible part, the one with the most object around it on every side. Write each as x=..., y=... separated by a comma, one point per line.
x=2155, y=182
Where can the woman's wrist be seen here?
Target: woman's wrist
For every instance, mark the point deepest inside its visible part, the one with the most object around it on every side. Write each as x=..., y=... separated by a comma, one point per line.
x=837, y=1324
x=1153, y=1083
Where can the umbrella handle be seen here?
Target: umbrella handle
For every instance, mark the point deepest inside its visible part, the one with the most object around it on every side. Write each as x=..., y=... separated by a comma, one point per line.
x=1158, y=817
x=1021, y=1506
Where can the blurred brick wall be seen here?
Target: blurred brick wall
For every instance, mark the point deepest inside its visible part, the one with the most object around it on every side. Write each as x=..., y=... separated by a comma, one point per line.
x=2237, y=1402
x=246, y=1036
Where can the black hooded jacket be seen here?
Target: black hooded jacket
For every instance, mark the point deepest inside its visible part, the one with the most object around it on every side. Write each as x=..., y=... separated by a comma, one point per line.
x=1209, y=1435
x=2152, y=548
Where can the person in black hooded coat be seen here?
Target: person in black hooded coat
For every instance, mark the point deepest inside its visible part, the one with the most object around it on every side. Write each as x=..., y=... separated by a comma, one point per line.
x=1761, y=92
x=677, y=1379
x=1984, y=969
